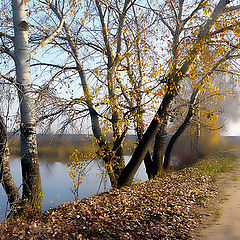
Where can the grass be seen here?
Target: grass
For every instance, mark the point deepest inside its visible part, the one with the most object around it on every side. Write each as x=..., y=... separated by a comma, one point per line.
x=215, y=165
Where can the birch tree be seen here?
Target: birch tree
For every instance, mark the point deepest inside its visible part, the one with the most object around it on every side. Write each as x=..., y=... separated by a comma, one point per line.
x=32, y=191
x=15, y=45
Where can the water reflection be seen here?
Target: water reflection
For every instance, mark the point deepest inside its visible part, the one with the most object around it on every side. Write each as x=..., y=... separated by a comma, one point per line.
x=56, y=183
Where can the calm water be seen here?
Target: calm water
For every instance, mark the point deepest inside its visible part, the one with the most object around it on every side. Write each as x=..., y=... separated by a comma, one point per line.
x=57, y=185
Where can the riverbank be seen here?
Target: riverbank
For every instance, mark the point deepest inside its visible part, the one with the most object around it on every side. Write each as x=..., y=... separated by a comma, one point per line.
x=54, y=146
x=165, y=208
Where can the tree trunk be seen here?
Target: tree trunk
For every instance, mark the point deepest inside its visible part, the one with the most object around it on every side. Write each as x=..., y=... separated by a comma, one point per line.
x=153, y=165
x=174, y=80
x=158, y=150
x=140, y=130
x=180, y=130
x=32, y=191
x=130, y=170
x=117, y=162
x=106, y=152
x=5, y=173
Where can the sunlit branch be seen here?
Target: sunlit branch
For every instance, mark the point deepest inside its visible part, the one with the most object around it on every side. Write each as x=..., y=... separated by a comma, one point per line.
x=232, y=8
x=104, y=30
x=120, y=31
x=235, y=56
x=53, y=35
x=205, y=31
x=230, y=27
x=10, y=79
x=2, y=34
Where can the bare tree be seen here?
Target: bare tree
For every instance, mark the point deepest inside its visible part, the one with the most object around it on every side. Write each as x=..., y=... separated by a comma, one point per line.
x=180, y=68
x=16, y=46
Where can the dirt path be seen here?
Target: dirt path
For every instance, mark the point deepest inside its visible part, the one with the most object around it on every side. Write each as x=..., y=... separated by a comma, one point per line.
x=227, y=226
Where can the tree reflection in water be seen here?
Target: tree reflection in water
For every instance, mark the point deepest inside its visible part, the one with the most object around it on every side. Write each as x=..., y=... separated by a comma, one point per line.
x=56, y=183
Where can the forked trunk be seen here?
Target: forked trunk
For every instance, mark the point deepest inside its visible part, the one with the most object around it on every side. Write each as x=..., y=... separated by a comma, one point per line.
x=142, y=148
x=177, y=134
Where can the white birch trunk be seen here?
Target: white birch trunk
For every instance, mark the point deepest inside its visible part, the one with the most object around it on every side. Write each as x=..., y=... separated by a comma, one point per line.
x=32, y=191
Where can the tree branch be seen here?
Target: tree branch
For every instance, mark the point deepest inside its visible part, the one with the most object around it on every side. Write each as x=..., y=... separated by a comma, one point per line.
x=200, y=5
x=10, y=79
x=10, y=53
x=2, y=34
x=53, y=65
x=232, y=8
x=120, y=30
x=162, y=19
x=205, y=32
x=230, y=27
x=104, y=30
x=53, y=35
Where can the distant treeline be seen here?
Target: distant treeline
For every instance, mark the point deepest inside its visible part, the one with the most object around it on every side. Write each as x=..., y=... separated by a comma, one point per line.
x=62, y=146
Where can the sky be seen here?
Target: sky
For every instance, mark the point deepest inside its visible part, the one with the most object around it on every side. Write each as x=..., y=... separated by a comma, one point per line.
x=233, y=129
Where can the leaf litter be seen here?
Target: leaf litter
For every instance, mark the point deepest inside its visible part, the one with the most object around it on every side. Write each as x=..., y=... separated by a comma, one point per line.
x=163, y=208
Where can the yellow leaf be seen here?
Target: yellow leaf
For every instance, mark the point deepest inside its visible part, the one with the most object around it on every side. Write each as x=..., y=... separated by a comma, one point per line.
x=96, y=71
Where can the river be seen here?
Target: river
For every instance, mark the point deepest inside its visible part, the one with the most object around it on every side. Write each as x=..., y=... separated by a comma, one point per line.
x=57, y=185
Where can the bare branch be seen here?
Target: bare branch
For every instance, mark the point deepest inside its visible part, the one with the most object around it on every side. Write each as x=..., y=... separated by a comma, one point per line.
x=232, y=8
x=200, y=5
x=161, y=18
x=10, y=79
x=6, y=50
x=2, y=34
x=53, y=65
x=54, y=34
x=92, y=45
